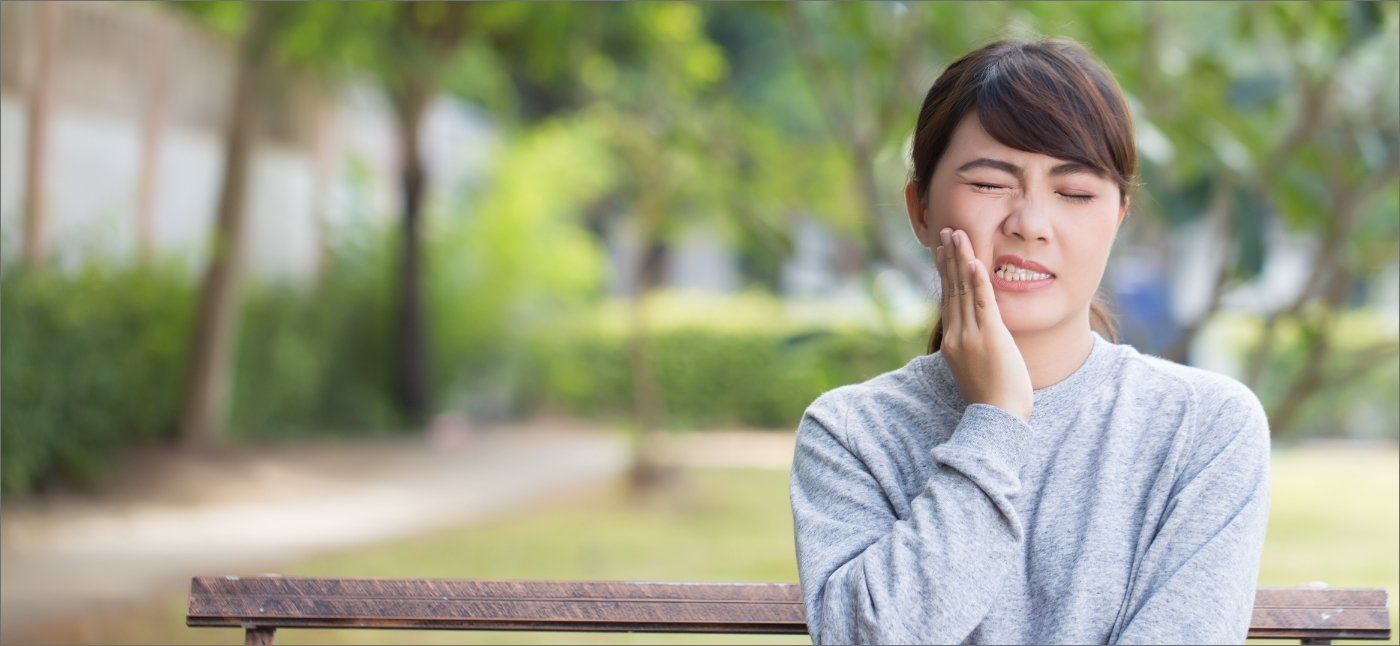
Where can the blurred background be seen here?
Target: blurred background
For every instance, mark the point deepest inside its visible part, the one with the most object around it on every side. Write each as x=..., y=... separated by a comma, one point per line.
x=542, y=290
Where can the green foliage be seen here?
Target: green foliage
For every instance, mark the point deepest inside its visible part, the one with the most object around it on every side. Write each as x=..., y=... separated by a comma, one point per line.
x=318, y=359
x=739, y=115
x=710, y=374
x=516, y=258
x=91, y=362
x=1361, y=407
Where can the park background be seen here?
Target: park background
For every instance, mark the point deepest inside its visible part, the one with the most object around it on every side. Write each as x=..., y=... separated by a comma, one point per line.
x=542, y=290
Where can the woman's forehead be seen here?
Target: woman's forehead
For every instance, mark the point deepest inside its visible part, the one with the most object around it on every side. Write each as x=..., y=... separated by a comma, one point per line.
x=971, y=143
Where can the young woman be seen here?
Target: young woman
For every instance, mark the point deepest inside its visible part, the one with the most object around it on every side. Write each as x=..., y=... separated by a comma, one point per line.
x=1029, y=480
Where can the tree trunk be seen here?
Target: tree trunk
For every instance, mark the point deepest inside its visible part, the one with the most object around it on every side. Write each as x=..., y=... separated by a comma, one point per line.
x=918, y=269
x=1328, y=261
x=36, y=141
x=413, y=388
x=844, y=122
x=1312, y=377
x=649, y=468
x=205, y=406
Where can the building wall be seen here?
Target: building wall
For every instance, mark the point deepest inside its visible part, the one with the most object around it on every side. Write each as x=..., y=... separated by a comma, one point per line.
x=104, y=85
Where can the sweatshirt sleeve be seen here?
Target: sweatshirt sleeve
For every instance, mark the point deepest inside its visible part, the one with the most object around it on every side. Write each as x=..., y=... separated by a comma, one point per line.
x=1195, y=584
x=868, y=576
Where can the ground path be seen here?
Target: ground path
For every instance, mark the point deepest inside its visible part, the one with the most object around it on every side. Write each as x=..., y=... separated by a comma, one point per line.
x=169, y=516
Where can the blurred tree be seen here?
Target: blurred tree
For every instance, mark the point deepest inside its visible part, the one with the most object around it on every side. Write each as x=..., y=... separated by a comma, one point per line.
x=38, y=105
x=415, y=51
x=652, y=88
x=1250, y=113
x=204, y=408
x=1341, y=156
x=409, y=48
x=1245, y=113
x=419, y=41
x=869, y=114
x=653, y=112
x=640, y=85
x=779, y=160
x=705, y=114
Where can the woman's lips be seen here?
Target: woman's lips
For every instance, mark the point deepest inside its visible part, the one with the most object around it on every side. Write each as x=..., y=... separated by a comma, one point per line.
x=1020, y=285
x=1023, y=263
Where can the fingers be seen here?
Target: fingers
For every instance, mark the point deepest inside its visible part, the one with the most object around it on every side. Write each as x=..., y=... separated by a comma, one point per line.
x=942, y=284
x=965, y=258
x=984, y=302
x=948, y=304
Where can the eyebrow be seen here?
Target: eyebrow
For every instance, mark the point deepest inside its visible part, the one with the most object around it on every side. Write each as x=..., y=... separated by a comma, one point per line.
x=1067, y=168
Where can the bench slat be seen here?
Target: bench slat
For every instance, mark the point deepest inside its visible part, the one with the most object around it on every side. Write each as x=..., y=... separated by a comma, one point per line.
x=645, y=606
x=605, y=606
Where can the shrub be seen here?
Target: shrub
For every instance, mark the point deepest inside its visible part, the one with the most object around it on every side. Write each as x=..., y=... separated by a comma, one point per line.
x=761, y=374
x=90, y=361
x=318, y=359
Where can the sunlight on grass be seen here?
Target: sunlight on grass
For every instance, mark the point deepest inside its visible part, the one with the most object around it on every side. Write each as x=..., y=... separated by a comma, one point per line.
x=1334, y=519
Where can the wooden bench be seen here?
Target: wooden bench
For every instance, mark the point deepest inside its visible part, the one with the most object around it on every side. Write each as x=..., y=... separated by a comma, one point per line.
x=262, y=604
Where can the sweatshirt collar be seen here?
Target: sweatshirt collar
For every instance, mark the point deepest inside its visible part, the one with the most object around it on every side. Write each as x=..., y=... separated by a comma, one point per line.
x=1102, y=360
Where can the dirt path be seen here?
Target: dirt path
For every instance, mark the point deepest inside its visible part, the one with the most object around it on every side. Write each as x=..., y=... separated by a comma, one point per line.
x=168, y=517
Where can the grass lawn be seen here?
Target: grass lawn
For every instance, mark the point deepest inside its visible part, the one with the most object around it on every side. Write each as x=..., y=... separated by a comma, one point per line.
x=1334, y=519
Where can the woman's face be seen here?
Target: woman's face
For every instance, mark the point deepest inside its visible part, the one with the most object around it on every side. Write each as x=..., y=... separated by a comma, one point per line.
x=1010, y=201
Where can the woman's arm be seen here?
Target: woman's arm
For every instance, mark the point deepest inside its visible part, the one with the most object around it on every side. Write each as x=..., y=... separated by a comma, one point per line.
x=1196, y=582
x=868, y=576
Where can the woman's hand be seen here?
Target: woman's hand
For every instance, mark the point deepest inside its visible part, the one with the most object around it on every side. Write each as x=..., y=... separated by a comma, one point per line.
x=985, y=362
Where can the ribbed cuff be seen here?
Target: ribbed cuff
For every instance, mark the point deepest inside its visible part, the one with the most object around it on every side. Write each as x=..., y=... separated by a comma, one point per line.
x=993, y=433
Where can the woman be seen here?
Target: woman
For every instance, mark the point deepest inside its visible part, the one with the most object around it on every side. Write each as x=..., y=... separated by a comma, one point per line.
x=1029, y=480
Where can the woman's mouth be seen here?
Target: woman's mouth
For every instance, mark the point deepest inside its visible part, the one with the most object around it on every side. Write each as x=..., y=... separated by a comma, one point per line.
x=1014, y=279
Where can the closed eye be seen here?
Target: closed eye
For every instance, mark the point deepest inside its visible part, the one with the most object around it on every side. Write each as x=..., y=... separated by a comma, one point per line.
x=1068, y=196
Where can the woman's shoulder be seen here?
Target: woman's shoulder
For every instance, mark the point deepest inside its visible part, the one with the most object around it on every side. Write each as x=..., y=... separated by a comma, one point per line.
x=1208, y=387
x=886, y=399
x=1220, y=404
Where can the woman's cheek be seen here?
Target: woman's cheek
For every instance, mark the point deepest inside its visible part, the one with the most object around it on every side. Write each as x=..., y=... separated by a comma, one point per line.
x=963, y=209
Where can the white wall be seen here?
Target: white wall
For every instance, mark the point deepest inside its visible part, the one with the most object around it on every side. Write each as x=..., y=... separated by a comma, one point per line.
x=93, y=165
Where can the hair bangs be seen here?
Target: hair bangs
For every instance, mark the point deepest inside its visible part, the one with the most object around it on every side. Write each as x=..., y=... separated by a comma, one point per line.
x=1024, y=104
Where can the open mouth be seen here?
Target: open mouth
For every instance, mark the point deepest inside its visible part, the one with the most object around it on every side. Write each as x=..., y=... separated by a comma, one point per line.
x=1012, y=273
x=1015, y=279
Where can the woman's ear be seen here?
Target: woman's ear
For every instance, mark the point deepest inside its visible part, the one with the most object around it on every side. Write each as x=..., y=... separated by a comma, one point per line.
x=916, y=214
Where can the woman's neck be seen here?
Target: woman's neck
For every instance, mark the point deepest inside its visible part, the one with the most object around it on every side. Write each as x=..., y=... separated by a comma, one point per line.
x=1053, y=354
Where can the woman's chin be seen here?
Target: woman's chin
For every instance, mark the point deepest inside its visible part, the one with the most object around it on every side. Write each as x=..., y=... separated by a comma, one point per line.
x=1018, y=322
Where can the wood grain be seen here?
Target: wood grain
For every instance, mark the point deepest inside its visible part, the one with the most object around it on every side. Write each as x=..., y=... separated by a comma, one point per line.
x=644, y=606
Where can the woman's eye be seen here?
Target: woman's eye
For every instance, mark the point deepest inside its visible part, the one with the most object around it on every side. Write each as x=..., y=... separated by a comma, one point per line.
x=1073, y=197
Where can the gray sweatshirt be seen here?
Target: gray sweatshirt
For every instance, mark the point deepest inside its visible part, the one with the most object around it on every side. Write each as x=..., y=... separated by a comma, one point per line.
x=1131, y=508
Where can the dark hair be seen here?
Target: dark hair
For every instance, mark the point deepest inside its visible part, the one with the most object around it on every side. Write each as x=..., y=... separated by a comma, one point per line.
x=1050, y=97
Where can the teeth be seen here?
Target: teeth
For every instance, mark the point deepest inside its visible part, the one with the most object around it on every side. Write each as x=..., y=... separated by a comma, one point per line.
x=1014, y=273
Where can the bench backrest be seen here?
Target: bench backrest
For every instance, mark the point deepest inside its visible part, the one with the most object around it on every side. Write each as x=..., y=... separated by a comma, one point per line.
x=264, y=603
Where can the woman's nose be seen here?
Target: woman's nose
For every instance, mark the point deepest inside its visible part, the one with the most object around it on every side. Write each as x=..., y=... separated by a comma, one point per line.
x=1028, y=220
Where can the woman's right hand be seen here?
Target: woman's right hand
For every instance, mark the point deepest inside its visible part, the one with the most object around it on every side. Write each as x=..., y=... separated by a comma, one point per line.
x=983, y=357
